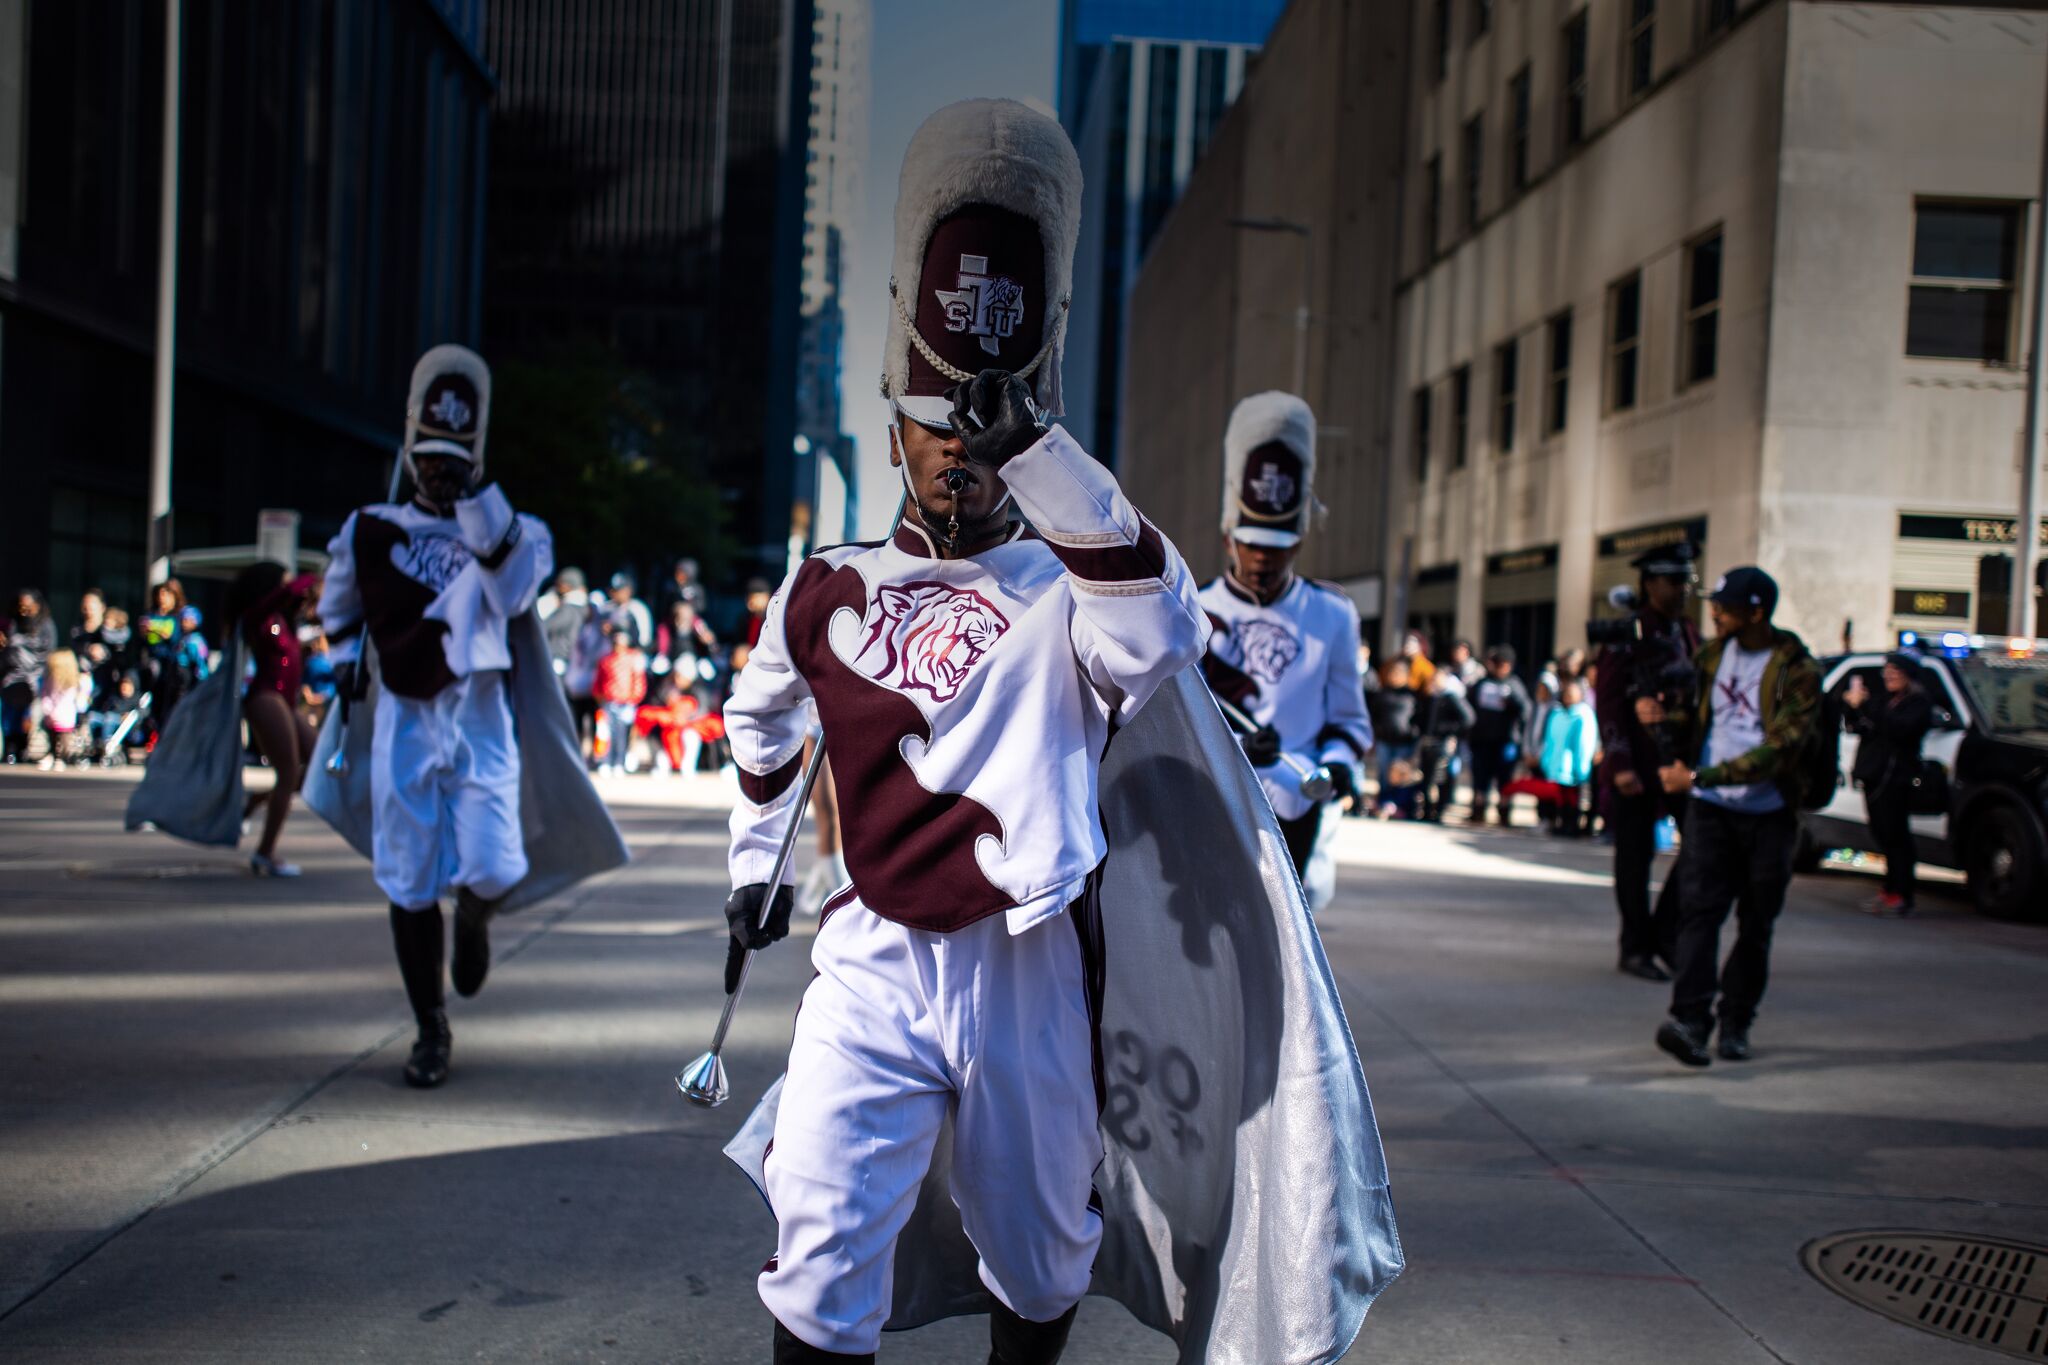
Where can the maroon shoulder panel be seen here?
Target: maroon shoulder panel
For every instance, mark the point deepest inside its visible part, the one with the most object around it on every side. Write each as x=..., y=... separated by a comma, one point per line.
x=410, y=658
x=910, y=851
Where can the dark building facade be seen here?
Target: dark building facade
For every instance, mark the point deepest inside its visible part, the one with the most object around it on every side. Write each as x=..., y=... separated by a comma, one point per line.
x=330, y=220
x=647, y=196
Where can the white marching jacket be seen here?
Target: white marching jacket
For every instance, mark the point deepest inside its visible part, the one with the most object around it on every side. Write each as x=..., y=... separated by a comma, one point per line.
x=436, y=593
x=966, y=703
x=1291, y=664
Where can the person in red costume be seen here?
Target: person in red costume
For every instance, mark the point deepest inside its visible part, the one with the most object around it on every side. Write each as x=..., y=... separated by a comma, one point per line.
x=264, y=606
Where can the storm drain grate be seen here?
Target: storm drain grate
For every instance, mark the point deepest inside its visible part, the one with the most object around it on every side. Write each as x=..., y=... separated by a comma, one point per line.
x=1977, y=1290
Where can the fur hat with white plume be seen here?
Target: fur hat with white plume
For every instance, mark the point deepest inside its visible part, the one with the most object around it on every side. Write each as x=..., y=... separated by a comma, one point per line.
x=1269, y=470
x=987, y=215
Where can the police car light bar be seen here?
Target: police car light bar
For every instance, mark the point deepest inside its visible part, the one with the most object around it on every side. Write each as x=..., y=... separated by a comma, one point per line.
x=1956, y=644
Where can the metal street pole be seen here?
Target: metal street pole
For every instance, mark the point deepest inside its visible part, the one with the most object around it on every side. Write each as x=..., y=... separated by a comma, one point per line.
x=1301, y=313
x=2027, y=534
x=166, y=313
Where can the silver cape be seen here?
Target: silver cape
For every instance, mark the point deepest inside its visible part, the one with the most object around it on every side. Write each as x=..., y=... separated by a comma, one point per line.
x=1246, y=1208
x=568, y=833
x=192, y=787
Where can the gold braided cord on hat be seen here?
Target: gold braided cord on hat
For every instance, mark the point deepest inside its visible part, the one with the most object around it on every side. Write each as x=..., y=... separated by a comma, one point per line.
x=954, y=372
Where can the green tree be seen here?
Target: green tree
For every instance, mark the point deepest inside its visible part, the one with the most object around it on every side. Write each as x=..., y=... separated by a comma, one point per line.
x=583, y=441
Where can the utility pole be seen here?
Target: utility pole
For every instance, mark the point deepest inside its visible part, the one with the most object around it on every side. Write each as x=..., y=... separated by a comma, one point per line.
x=2026, y=541
x=166, y=313
x=1301, y=313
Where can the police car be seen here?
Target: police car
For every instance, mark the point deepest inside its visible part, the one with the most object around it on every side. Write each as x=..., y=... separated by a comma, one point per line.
x=1991, y=738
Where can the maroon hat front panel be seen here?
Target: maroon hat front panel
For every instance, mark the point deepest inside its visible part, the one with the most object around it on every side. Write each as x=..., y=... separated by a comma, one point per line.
x=1272, y=486
x=981, y=297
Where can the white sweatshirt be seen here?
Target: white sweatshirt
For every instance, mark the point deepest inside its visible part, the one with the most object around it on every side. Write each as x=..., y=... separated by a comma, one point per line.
x=434, y=592
x=965, y=703
x=1291, y=664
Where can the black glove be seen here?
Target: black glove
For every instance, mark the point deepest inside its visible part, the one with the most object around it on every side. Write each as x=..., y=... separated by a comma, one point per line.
x=994, y=417
x=1262, y=746
x=1343, y=781
x=743, y=918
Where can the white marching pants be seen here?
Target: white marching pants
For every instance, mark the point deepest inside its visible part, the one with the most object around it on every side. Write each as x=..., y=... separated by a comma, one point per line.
x=899, y=1025
x=444, y=786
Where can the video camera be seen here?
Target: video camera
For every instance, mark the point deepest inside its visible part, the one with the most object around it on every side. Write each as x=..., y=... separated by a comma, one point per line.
x=1657, y=665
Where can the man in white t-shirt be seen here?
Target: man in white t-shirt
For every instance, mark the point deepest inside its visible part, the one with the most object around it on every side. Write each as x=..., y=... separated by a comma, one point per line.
x=1759, y=700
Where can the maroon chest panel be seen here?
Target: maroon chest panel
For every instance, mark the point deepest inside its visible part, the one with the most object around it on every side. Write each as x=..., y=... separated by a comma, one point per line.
x=410, y=658
x=910, y=851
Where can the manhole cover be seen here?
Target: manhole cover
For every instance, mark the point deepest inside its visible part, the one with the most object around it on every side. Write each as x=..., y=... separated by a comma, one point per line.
x=1977, y=1290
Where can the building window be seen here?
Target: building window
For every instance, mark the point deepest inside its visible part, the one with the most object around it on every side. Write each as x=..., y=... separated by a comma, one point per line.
x=1639, y=45
x=1965, y=277
x=1575, y=79
x=1482, y=20
x=1702, y=309
x=1560, y=372
x=1518, y=129
x=1422, y=432
x=1433, y=205
x=1461, y=413
x=1624, y=341
x=1475, y=150
x=1506, y=372
x=1440, y=20
x=1720, y=14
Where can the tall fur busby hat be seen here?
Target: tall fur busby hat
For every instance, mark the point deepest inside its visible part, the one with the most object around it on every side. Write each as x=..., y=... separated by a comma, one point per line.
x=449, y=407
x=1269, y=470
x=987, y=214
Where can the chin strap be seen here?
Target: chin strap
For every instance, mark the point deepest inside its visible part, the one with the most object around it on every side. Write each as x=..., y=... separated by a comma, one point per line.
x=946, y=528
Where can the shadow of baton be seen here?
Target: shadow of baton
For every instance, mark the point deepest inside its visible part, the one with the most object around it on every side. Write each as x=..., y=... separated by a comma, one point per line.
x=703, y=1081
x=1315, y=779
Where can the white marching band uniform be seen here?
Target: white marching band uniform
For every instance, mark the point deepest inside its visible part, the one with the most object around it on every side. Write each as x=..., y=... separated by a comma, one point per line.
x=439, y=592
x=1299, y=653
x=940, y=1144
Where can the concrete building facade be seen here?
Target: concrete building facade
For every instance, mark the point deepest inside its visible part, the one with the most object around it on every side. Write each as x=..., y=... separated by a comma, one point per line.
x=1296, y=201
x=1142, y=86
x=1746, y=272
x=1752, y=271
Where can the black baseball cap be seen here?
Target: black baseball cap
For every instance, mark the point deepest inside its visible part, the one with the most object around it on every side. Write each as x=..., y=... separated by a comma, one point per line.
x=1747, y=586
x=1667, y=561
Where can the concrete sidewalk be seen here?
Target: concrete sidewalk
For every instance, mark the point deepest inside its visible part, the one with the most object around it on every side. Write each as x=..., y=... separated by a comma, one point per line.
x=206, y=1152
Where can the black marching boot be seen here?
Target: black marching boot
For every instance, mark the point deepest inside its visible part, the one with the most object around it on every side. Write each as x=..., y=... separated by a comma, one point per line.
x=1019, y=1341
x=472, y=942
x=417, y=936
x=791, y=1349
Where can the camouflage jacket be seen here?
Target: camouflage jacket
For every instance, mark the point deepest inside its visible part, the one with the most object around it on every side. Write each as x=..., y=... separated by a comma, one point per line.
x=1791, y=697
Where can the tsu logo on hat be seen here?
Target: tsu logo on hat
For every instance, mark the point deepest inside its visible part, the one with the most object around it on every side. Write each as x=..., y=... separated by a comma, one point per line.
x=449, y=407
x=987, y=215
x=1269, y=467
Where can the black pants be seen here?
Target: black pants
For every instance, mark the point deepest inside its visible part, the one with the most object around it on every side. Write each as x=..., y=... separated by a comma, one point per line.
x=1490, y=768
x=1731, y=859
x=1890, y=822
x=1301, y=837
x=1644, y=931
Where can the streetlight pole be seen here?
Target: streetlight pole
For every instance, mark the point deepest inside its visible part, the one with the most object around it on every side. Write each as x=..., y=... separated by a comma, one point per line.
x=166, y=313
x=1307, y=236
x=2027, y=534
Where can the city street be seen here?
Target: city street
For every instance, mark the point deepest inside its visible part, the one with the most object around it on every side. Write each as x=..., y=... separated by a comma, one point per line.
x=206, y=1152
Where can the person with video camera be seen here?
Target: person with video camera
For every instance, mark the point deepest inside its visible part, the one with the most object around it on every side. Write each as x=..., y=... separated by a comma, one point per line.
x=1753, y=726
x=1647, y=654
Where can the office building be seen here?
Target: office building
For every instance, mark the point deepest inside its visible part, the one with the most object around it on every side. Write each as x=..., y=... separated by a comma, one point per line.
x=1142, y=84
x=330, y=221
x=646, y=196
x=1277, y=270
x=835, y=166
x=1751, y=273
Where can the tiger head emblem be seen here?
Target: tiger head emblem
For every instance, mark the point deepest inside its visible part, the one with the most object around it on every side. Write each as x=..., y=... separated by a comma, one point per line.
x=1268, y=649
x=927, y=636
